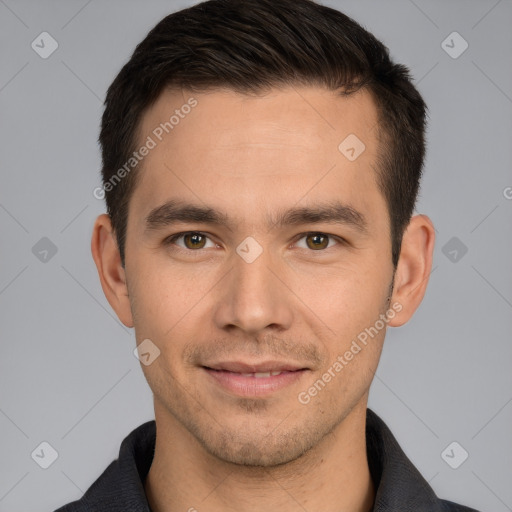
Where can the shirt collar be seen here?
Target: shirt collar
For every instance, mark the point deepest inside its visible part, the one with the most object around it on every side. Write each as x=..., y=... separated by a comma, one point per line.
x=398, y=484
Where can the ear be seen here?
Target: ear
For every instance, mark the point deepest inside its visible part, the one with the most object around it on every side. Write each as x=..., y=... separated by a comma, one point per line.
x=413, y=269
x=111, y=273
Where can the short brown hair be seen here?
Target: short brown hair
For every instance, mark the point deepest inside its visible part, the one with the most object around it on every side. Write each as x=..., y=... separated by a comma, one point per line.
x=253, y=45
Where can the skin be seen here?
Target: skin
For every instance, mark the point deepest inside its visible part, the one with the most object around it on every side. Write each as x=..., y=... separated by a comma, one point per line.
x=250, y=157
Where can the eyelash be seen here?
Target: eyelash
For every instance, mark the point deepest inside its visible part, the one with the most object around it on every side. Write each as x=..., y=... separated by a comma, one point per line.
x=172, y=239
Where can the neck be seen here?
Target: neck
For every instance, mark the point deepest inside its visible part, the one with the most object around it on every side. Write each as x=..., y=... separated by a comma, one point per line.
x=332, y=477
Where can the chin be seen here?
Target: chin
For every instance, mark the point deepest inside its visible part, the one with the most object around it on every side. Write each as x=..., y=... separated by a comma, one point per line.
x=251, y=454
x=252, y=445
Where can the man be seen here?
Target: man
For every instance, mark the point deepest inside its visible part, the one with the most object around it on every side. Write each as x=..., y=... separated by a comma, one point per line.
x=261, y=161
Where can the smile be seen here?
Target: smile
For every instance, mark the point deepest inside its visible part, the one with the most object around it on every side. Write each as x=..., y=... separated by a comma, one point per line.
x=254, y=384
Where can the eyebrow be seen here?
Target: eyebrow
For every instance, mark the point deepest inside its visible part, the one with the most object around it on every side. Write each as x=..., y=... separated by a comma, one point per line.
x=174, y=211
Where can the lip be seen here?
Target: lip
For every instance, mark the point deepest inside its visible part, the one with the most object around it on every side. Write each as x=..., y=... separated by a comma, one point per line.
x=265, y=366
x=235, y=382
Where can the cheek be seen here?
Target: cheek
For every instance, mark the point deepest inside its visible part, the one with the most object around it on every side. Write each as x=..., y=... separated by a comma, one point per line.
x=344, y=380
x=345, y=298
x=349, y=304
x=168, y=308
x=165, y=294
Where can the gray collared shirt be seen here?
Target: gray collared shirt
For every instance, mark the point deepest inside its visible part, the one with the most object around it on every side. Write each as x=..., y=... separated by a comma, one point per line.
x=399, y=485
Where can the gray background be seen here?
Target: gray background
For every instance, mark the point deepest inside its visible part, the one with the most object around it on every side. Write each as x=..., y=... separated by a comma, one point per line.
x=67, y=372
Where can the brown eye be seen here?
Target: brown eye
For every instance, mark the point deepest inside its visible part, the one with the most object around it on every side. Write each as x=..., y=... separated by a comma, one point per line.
x=194, y=240
x=317, y=241
x=190, y=241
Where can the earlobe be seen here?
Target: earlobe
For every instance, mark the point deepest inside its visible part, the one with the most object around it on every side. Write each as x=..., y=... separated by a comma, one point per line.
x=414, y=267
x=111, y=273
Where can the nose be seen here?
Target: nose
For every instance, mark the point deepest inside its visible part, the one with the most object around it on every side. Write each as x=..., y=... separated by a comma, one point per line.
x=253, y=297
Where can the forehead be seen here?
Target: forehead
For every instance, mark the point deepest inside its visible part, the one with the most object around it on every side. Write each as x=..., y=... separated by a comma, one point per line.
x=249, y=152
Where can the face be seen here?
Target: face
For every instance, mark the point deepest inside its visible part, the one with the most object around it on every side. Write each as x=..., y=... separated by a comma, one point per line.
x=289, y=263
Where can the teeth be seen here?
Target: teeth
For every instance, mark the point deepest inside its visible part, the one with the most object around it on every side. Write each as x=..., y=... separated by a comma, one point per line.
x=260, y=374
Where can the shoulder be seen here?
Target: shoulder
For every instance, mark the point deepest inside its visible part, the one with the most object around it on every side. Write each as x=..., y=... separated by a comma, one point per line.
x=120, y=487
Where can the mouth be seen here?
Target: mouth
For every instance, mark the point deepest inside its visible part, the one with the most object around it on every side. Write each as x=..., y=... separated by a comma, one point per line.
x=257, y=375
x=254, y=380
